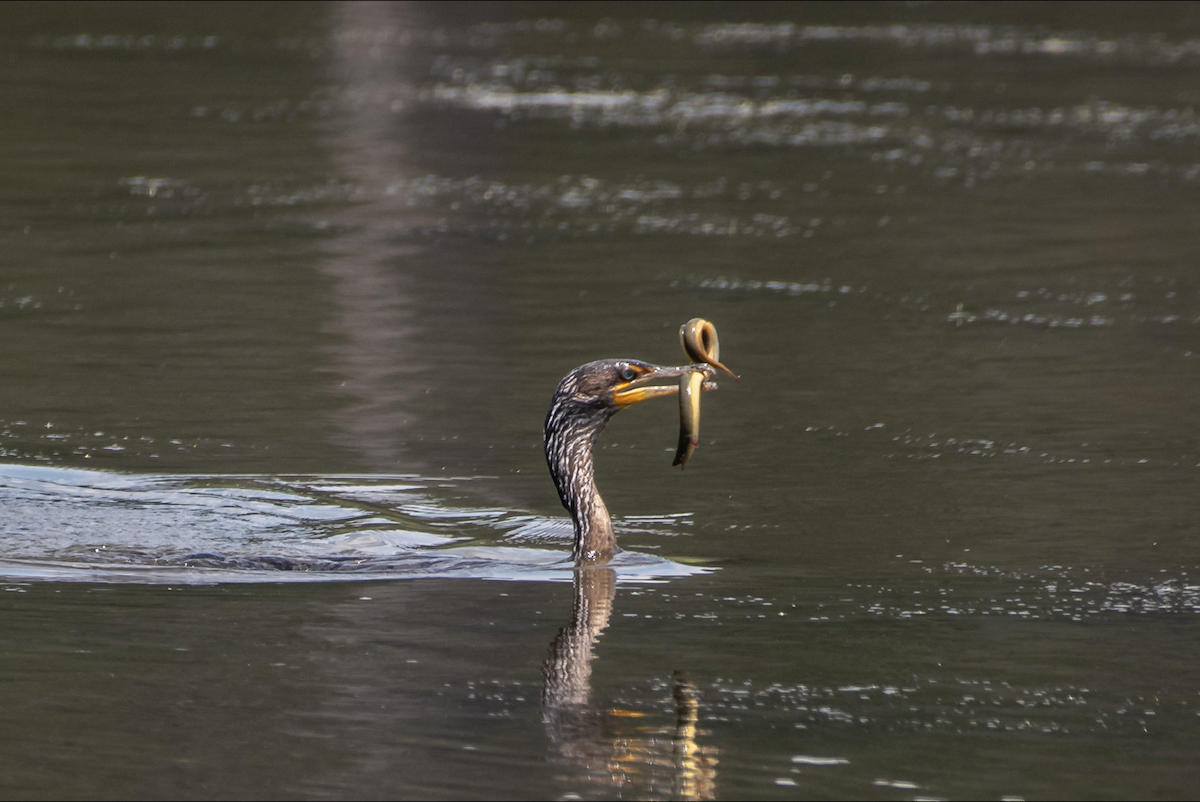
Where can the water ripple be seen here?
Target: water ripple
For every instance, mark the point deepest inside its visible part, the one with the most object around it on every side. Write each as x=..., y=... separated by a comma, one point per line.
x=90, y=526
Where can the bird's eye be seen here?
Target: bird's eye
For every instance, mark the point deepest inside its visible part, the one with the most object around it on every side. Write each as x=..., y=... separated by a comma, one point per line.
x=627, y=373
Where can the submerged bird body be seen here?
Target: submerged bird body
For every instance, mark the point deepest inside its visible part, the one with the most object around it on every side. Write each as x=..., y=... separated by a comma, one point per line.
x=585, y=401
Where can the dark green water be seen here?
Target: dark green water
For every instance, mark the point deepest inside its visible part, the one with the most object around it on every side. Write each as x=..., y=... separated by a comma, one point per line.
x=291, y=285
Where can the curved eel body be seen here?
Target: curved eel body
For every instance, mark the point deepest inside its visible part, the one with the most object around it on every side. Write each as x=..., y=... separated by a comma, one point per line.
x=699, y=340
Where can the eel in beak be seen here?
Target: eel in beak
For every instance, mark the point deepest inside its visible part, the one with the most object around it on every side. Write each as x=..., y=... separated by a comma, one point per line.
x=699, y=340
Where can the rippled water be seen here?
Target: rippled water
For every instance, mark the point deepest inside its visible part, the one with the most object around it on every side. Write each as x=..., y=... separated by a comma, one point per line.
x=285, y=293
x=86, y=526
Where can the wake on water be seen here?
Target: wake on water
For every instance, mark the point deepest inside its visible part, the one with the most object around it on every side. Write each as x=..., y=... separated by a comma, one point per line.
x=62, y=524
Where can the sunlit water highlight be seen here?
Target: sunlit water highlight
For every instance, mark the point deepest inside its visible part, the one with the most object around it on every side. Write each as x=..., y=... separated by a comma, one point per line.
x=90, y=526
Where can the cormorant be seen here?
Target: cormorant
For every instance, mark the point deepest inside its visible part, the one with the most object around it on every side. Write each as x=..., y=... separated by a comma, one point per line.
x=585, y=400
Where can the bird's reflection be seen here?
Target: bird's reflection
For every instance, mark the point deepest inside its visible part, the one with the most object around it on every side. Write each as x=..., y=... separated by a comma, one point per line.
x=608, y=746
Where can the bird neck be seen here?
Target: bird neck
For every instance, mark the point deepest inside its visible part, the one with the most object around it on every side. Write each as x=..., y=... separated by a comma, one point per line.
x=569, y=453
x=595, y=541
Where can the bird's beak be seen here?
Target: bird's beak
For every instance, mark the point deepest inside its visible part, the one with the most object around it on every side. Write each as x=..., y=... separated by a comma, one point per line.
x=644, y=387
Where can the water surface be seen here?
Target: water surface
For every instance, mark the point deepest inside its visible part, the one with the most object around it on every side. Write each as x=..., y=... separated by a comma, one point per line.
x=285, y=293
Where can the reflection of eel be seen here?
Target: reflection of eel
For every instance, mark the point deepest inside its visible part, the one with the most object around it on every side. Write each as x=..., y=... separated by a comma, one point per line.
x=695, y=765
x=618, y=747
x=699, y=340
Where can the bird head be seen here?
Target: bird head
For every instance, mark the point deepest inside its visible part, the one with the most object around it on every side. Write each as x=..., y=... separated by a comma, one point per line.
x=598, y=390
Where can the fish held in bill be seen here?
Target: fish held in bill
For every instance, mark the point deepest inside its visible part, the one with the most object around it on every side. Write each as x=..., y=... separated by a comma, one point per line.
x=699, y=340
x=689, y=417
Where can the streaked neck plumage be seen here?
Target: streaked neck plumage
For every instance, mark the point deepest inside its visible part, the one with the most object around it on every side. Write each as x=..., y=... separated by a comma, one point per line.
x=572, y=427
